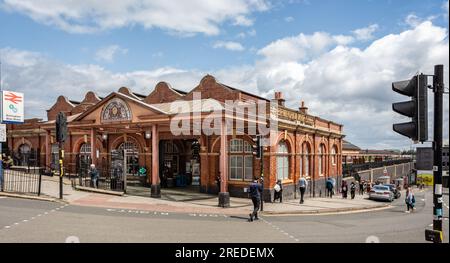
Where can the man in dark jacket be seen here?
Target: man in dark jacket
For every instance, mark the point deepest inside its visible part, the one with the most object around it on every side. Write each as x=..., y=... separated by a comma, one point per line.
x=255, y=190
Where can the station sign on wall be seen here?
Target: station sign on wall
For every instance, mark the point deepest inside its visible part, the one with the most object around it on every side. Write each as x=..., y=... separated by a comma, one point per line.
x=12, y=107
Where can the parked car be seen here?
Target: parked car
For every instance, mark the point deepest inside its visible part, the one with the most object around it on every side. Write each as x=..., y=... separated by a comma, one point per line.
x=394, y=190
x=381, y=192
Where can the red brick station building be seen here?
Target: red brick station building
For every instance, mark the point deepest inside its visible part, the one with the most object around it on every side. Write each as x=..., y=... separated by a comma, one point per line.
x=139, y=126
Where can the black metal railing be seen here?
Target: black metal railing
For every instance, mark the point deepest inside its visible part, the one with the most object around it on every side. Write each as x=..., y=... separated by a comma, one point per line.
x=109, y=178
x=21, y=181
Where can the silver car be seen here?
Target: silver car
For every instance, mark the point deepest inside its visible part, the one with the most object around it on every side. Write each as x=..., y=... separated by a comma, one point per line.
x=381, y=192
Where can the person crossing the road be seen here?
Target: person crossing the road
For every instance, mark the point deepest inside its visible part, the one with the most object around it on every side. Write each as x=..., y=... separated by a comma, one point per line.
x=255, y=190
x=410, y=200
x=352, y=190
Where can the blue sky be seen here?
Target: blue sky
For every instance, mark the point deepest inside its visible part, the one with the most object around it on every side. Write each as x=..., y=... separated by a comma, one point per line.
x=256, y=45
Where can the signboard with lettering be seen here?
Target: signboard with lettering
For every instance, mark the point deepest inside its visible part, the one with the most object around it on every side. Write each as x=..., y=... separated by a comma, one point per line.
x=295, y=116
x=12, y=107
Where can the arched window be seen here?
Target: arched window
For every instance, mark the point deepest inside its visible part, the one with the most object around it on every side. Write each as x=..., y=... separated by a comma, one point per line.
x=333, y=155
x=240, y=163
x=320, y=153
x=282, y=161
x=85, y=149
x=322, y=162
x=306, y=159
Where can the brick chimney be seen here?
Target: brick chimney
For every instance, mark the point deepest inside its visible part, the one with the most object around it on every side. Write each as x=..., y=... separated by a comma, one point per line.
x=279, y=98
x=303, y=108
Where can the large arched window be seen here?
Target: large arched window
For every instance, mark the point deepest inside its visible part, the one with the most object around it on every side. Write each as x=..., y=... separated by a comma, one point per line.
x=282, y=161
x=322, y=162
x=333, y=155
x=306, y=158
x=85, y=149
x=240, y=160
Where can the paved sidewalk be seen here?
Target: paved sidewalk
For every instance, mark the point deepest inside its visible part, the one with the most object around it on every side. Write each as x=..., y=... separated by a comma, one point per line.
x=174, y=200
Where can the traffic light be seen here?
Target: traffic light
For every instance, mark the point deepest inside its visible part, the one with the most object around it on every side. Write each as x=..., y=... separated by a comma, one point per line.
x=61, y=127
x=416, y=108
x=257, y=148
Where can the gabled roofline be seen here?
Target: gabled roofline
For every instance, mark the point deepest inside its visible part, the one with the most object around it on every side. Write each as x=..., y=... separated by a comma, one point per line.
x=123, y=96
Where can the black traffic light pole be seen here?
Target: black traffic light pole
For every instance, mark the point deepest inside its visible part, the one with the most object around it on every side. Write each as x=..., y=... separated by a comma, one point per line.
x=261, y=150
x=61, y=169
x=61, y=134
x=438, y=89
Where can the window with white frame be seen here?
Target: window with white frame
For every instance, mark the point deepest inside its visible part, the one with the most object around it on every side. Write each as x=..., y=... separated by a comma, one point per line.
x=240, y=160
x=333, y=155
x=282, y=161
x=322, y=162
x=306, y=156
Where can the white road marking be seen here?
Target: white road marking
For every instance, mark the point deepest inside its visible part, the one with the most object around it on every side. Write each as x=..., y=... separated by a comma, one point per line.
x=16, y=224
x=7, y=227
x=24, y=220
x=32, y=218
x=39, y=215
x=430, y=225
x=281, y=231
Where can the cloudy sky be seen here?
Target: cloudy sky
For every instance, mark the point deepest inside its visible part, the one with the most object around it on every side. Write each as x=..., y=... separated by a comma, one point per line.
x=340, y=57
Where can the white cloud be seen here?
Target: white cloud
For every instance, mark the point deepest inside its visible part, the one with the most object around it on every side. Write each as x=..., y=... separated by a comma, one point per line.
x=289, y=19
x=348, y=85
x=186, y=17
x=365, y=33
x=413, y=20
x=242, y=21
x=250, y=33
x=302, y=47
x=230, y=45
x=351, y=85
x=108, y=53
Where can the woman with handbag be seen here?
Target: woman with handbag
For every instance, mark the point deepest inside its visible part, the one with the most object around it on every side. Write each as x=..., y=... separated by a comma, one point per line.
x=278, y=194
x=410, y=200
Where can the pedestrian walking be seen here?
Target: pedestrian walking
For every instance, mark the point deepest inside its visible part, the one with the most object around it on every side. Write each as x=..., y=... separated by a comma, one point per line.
x=302, y=184
x=344, y=189
x=93, y=172
x=329, y=187
x=278, y=191
x=361, y=187
x=255, y=190
x=410, y=200
x=352, y=190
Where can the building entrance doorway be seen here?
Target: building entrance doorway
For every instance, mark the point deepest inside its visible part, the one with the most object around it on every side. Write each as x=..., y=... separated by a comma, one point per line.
x=180, y=164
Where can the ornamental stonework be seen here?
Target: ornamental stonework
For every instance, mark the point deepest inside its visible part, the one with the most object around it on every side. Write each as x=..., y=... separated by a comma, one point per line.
x=116, y=110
